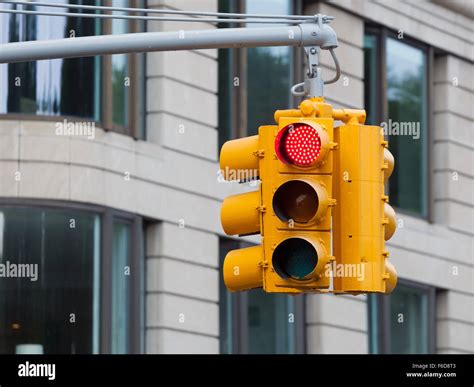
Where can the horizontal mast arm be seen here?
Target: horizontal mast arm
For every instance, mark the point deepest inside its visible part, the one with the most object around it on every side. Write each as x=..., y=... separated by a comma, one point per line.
x=305, y=34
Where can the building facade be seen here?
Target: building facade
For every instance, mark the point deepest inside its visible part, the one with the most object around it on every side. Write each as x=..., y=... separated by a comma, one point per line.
x=109, y=184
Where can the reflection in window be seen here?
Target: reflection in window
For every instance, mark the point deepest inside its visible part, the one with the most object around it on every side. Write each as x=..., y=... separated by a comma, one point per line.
x=270, y=323
x=409, y=320
x=375, y=322
x=226, y=89
x=407, y=103
x=400, y=322
x=121, y=252
x=120, y=77
x=269, y=71
x=253, y=82
x=254, y=321
x=57, y=313
x=51, y=87
x=371, y=83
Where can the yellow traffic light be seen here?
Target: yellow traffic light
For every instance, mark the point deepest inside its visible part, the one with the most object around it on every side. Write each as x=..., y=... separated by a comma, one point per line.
x=291, y=209
x=296, y=192
x=306, y=167
x=363, y=219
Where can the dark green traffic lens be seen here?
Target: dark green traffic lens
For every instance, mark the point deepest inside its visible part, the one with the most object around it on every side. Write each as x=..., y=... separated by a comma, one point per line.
x=295, y=258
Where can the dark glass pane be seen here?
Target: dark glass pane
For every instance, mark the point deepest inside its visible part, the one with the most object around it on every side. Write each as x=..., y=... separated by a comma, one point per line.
x=271, y=323
x=227, y=90
x=49, y=87
x=409, y=320
x=121, y=251
x=225, y=96
x=371, y=83
x=120, y=76
x=268, y=85
x=58, y=312
x=406, y=127
x=374, y=329
x=268, y=72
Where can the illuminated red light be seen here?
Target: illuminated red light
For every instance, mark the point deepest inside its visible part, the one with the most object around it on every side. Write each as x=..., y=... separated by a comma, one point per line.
x=298, y=144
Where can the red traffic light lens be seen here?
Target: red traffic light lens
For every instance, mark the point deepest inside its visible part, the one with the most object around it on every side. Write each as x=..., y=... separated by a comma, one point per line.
x=298, y=144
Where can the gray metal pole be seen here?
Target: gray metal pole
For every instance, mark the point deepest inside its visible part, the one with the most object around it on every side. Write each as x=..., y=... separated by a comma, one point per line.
x=305, y=34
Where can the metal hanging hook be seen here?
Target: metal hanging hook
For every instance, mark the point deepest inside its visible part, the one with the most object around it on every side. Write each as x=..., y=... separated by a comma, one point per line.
x=338, y=68
x=313, y=86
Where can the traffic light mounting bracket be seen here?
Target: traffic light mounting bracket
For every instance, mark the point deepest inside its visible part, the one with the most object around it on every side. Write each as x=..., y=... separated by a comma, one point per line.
x=313, y=86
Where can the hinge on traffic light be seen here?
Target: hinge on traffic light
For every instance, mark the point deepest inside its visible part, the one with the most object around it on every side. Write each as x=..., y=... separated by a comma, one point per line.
x=385, y=198
x=384, y=143
x=263, y=264
x=332, y=202
x=259, y=153
x=333, y=145
x=262, y=208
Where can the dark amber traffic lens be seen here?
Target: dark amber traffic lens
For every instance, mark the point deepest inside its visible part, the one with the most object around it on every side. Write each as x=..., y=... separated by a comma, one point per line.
x=295, y=200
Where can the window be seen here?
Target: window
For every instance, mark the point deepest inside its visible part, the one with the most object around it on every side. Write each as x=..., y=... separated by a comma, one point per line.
x=407, y=102
x=121, y=262
x=100, y=89
x=70, y=279
x=53, y=312
x=257, y=322
x=253, y=82
x=268, y=71
x=271, y=323
x=371, y=83
x=53, y=87
x=396, y=85
x=403, y=322
x=120, y=71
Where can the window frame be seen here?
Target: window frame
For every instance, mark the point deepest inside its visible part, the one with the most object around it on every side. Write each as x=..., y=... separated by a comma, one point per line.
x=382, y=33
x=239, y=306
x=135, y=62
x=382, y=316
x=136, y=97
x=107, y=216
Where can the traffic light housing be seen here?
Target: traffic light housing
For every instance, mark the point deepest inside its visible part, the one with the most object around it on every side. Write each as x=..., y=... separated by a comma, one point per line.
x=321, y=194
x=363, y=219
x=297, y=193
x=291, y=209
